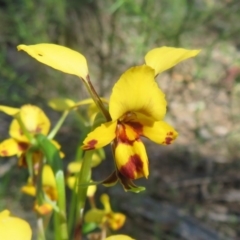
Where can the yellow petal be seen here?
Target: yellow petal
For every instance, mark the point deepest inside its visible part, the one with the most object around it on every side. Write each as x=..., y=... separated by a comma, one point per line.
x=132, y=160
x=137, y=91
x=13, y=227
x=116, y=220
x=16, y=132
x=59, y=57
x=163, y=58
x=9, y=147
x=94, y=215
x=96, y=159
x=29, y=190
x=91, y=190
x=34, y=119
x=4, y=214
x=61, y=104
x=160, y=132
x=43, y=209
x=74, y=167
x=101, y=136
x=9, y=110
x=119, y=237
x=48, y=178
x=106, y=203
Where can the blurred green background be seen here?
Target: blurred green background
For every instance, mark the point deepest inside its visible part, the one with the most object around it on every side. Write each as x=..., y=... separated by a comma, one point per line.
x=200, y=172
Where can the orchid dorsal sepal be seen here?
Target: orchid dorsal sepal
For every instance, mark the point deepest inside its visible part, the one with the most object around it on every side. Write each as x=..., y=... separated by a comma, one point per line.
x=119, y=237
x=9, y=110
x=14, y=227
x=163, y=58
x=58, y=57
x=24, y=129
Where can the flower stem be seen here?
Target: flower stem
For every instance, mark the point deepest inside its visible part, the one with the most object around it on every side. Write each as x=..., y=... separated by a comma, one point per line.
x=83, y=180
x=62, y=227
x=41, y=234
x=97, y=99
x=54, y=131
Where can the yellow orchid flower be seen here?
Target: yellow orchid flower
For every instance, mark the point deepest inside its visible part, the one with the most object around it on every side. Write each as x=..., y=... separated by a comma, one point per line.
x=119, y=237
x=49, y=188
x=13, y=227
x=35, y=122
x=137, y=107
x=106, y=217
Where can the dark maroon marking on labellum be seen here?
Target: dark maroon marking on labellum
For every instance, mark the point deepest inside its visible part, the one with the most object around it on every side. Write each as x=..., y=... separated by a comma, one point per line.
x=90, y=145
x=122, y=135
x=138, y=127
x=22, y=146
x=133, y=165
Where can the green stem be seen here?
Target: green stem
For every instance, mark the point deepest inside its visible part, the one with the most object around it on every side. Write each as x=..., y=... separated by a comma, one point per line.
x=57, y=234
x=54, y=131
x=62, y=227
x=29, y=155
x=83, y=180
x=97, y=99
x=41, y=233
x=72, y=212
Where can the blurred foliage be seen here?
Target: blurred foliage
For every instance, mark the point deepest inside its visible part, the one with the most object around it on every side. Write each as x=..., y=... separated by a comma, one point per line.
x=112, y=34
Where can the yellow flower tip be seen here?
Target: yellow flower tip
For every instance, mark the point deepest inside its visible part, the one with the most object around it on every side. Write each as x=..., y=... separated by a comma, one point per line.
x=163, y=58
x=119, y=237
x=74, y=167
x=9, y=110
x=9, y=147
x=90, y=145
x=29, y=190
x=91, y=190
x=116, y=220
x=48, y=178
x=105, y=200
x=22, y=230
x=170, y=137
x=44, y=209
x=34, y=119
x=58, y=57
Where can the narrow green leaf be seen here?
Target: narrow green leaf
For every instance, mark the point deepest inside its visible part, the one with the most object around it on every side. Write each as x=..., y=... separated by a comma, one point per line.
x=50, y=151
x=89, y=227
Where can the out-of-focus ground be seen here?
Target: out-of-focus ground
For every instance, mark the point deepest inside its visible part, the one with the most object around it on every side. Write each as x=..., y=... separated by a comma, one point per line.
x=193, y=191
